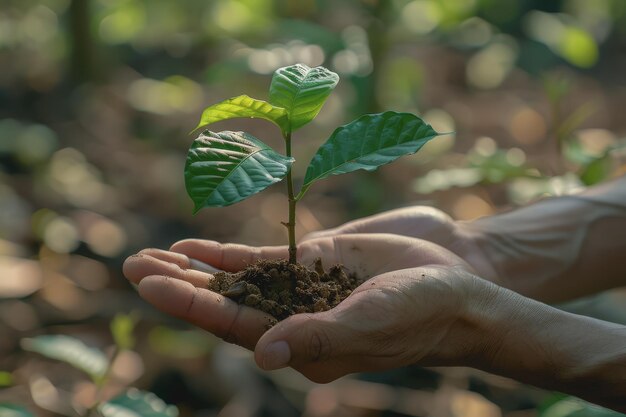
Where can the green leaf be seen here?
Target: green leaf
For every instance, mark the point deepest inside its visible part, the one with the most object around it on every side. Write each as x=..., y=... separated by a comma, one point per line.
x=302, y=91
x=368, y=142
x=226, y=167
x=12, y=410
x=6, y=379
x=135, y=403
x=597, y=171
x=122, y=327
x=574, y=407
x=71, y=351
x=244, y=106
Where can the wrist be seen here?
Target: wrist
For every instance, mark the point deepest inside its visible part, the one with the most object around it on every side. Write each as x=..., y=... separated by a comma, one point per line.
x=532, y=342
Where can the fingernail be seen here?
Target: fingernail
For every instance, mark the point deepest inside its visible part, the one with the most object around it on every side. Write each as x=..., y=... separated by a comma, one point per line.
x=276, y=355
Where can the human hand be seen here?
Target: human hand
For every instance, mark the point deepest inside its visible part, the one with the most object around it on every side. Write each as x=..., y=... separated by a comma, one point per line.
x=405, y=312
x=427, y=223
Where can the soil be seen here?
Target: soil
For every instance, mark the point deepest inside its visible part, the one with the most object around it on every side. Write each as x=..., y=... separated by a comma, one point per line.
x=282, y=289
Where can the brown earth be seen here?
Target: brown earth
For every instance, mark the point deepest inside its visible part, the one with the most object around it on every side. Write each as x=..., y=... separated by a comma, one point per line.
x=282, y=289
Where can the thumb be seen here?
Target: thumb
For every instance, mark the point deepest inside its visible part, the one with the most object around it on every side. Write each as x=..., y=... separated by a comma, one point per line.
x=302, y=339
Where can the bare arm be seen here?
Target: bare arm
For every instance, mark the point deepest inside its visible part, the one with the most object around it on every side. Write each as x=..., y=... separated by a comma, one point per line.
x=421, y=304
x=560, y=248
x=535, y=343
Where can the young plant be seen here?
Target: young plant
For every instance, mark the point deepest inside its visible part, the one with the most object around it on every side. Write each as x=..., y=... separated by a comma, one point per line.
x=96, y=364
x=226, y=167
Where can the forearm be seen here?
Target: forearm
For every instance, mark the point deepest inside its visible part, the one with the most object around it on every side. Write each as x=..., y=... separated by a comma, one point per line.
x=560, y=248
x=520, y=338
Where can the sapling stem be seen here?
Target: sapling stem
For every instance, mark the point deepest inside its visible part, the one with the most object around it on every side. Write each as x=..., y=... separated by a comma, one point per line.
x=101, y=384
x=291, y=224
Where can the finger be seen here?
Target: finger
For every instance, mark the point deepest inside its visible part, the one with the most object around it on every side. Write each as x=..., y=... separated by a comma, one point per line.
x=219, y=315
x=137, y=267
x=179, y=259
x=418, y=222
x=227, y=256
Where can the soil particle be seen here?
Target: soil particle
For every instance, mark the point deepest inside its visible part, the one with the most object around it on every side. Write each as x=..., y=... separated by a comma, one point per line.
x=281, y=289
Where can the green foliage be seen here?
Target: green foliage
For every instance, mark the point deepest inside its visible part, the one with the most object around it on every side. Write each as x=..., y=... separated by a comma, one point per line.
x=71, y=351
x=6, y=379
x=244, y=106
x=182, y=344
x=12, y=410
x=226, y=167
x=367, y=143
x=122, y=327
x=574, y=407
x=135, y=403
x=302, y=91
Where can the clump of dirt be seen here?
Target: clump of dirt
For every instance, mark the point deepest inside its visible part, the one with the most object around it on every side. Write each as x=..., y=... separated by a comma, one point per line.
x=282, y=289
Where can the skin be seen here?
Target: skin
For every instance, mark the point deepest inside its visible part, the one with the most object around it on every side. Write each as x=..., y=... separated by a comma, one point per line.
x=320, y=343
x=423, y=301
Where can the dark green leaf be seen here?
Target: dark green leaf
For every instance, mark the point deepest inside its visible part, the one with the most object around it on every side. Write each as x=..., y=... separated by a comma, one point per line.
x=302, y=91
x=122, y=327
x=226, y=167
x=243, y=106
x=367, y=143
x=597, y=171
x=69, y=350
x=135, y=403
x=12, y=410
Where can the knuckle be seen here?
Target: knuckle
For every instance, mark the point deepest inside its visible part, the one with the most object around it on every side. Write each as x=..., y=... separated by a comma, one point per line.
x=147, y=251
x=192, y=302
x=230, y=335
x=319, y=347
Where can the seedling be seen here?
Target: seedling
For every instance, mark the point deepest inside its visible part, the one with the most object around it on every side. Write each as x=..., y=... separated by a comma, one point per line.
x=226, y=167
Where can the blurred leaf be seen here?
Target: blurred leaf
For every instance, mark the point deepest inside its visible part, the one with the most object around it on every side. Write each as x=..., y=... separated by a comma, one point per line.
x=597, y=171
x=226, y=167
x=578, y=47
x=367, y=143
x=12, y=410
x=438, y=179
x=575, y=152
x=497, y=168
x=135, y=403
x=122, y=327
x=574, y=407
x=556, y=87
x=576, y=118
x=69, y=350
x=244, y=106
x=6, y=379
x=302, y=91
x=183, y=344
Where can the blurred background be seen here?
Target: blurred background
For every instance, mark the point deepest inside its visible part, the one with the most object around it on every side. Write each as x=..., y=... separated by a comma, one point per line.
x=96, y=101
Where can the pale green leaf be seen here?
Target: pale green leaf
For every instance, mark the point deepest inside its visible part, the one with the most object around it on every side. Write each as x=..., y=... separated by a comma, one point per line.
x=302, y=91
x=367, y=143
x=226, y=167
x=69, y=350
x=244, y=106
x=6, y=379
x=122, y=327
x=135, y=403
x=575, y=407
